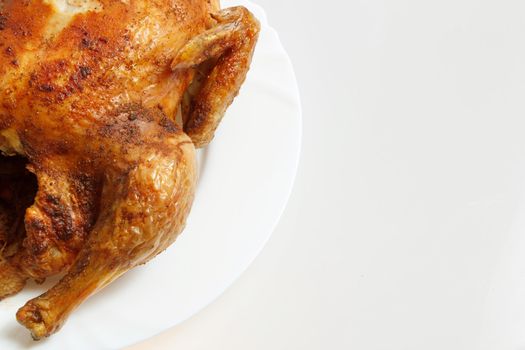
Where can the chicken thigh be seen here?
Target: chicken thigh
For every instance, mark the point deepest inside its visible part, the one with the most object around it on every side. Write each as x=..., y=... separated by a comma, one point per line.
x=106, y=100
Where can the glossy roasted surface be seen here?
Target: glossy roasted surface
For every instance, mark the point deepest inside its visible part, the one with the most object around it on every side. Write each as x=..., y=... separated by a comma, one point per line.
x=91, y=95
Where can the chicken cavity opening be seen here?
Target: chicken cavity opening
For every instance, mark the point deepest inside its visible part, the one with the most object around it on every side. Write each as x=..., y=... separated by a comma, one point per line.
x=18, y=189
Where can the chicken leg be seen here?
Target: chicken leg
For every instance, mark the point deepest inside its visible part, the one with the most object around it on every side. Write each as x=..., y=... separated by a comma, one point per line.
x=145, y=201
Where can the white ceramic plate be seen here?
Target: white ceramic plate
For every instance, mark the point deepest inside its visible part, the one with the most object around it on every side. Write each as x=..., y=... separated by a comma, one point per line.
x=246, y=178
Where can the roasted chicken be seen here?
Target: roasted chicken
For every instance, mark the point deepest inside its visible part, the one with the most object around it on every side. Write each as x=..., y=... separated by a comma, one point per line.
x=102, y=105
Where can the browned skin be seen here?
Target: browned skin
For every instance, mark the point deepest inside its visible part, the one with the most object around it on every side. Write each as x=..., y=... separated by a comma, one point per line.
x=91, y=103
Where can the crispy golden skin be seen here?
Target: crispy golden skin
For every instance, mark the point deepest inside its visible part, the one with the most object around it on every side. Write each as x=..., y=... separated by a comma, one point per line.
x=90, y=91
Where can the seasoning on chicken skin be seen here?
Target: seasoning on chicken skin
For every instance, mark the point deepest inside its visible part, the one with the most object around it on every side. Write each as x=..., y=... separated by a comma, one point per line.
x=107, y=101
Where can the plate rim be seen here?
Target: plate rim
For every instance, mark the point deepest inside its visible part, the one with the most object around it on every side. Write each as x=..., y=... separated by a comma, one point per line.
x=297, y=98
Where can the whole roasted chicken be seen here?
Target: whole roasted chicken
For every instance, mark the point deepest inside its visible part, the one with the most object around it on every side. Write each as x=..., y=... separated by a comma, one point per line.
x=104, y=102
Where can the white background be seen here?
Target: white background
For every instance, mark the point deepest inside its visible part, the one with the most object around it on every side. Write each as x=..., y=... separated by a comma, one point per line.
x=403, y=230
